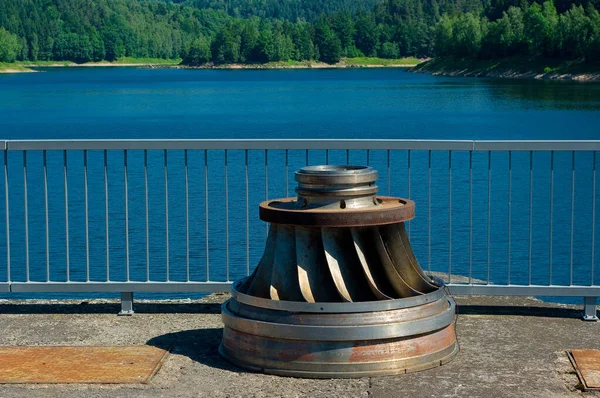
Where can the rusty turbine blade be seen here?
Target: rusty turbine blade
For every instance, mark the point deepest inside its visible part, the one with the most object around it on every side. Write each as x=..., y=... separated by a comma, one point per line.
x=261, y=277
x=315, y=281
x=360, y=237
x=401, y=260
x=344, y=265
x=399, y=285
x=411, y=255
x=284, y=277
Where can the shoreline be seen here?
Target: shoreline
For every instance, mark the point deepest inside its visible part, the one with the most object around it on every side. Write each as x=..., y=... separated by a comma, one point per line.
x=512, y=68
x=311, y=65
x=511, y=74
x=345, y=63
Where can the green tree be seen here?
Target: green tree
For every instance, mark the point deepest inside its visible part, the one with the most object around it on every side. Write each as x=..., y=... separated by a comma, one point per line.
x=574, y=32
x=226, y=47
x=248, y=42
x=34, y=49
x=9, y=46
x=367, y=35
x=593, y=47
x=265, y=46
x=302, y=38
x=199, y=52
x=331, y=49
x=538, y=31
x=343, y=25
x=389, y=50
x=444, y=40
x=551, y=37
x=467, y=34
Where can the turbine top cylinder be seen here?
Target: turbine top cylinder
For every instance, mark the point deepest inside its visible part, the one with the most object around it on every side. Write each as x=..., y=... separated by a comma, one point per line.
x=337, y=196
x=336, y=187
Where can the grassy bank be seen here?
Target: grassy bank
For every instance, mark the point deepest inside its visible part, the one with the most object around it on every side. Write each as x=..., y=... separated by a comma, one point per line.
x=363, y=62
x=126, y=61
x=512, y=67
x=17, y=67
x=373, y=61
x=13, y=68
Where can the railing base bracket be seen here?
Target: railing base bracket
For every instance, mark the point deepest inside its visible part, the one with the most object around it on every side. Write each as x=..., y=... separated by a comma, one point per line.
x=126, y=304
x=589, y=309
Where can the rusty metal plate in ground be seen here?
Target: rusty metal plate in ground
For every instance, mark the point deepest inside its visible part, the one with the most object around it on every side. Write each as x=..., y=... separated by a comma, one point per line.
x=116, y=364
x=587, y=365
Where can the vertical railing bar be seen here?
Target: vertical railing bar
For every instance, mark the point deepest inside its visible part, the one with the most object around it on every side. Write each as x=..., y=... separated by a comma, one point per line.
x=509, y=211
x=449, y=216
x=147, y=219
x=206, y=242
x=326, y=156
x=287, y=182
x=247, y=214
x=306, y=159
x=106, y=226
x=408, y=185
x=126, y=192
x=530, y=214
x=551, y=216
x=389, y=182
x=347, y=156
x=368, y=157
x=226, y=220
x=593, y=219
x=167, y=257
x=428, y=210
x=572, y=216
x=7, y=216
x=87, y=221
x=266, y=186
x=68, y=265
x=187, y=215
x=489, y=213
x=25, y=211
x=470, y=217
x=47, y=226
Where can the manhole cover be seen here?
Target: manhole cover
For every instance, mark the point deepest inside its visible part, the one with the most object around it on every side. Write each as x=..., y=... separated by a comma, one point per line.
x=116, y=364
x=587, y=365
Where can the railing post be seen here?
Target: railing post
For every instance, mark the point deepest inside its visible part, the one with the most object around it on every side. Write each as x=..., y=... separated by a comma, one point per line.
x=126, y=304
x=589, y=309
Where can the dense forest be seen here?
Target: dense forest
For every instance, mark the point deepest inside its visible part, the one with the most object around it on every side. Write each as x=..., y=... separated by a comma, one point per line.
x=258, y=31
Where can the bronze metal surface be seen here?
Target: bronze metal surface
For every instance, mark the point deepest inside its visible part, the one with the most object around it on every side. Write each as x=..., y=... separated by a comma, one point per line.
x=251, y=345
x=315, y=280
x=389, y=210
x=587, y=365
x=60, y=364
x=284, y=276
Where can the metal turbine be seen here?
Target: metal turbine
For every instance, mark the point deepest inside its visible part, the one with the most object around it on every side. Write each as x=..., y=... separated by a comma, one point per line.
x=338, y=291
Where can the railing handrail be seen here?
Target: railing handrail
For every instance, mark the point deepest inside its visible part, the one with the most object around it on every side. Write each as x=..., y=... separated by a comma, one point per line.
x=128, y=287
x=302, y=144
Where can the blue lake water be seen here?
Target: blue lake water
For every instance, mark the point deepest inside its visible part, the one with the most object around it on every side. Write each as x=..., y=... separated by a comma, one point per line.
x=94, y=103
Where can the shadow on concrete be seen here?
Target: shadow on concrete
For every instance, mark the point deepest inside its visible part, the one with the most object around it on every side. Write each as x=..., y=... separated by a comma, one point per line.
x=86, y=308
x=547, y=312
x=200, y=345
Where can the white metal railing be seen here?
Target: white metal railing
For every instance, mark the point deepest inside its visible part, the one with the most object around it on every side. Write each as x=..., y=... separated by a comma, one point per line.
x=493, y=217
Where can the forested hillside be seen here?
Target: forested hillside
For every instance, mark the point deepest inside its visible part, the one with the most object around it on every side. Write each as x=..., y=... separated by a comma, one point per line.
x=257, y=31
x=292, y=10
